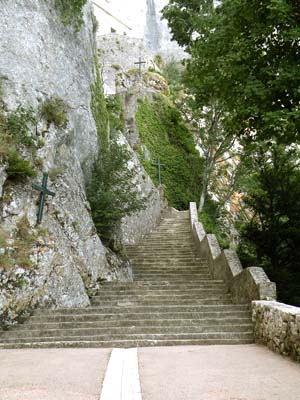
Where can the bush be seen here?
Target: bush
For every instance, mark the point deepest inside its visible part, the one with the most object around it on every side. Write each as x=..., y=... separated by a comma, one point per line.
x=111, y=191
x=71, y=12
x=15, y=131
x=54, y=111
x=18, y=168
x=18, y=125
x=210, y=219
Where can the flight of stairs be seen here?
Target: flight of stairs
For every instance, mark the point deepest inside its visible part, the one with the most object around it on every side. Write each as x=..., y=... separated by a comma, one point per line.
x=172, y=301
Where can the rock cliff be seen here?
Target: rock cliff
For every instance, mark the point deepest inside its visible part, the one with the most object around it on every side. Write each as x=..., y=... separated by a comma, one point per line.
x=62, y=261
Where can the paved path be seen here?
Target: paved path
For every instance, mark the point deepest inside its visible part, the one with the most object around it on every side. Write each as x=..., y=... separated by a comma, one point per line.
x=241, y=372
x=58, y=374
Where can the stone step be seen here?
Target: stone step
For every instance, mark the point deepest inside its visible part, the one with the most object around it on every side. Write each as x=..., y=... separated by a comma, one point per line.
x=135, y=323
x=168, y=309
x=124, y=331
x=177, y=294
x=158, y=292
x=162, y=302
x=164, y=276
x=119, y=317
x=158, y=253
x=134, y=337
x=141, y=270
x=162, y=284
x=127, y=343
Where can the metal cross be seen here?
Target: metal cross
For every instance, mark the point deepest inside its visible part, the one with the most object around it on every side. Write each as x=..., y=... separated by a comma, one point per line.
x=43, y=195
x=140, y=62
x=159, y=166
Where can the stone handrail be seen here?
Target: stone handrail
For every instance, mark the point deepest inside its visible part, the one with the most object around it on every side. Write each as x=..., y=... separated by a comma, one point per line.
x=245, y=285
x=275, y=325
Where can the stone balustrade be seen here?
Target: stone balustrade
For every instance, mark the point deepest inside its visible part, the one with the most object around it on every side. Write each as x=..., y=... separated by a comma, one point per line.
x=245, y=285
x=275, y=325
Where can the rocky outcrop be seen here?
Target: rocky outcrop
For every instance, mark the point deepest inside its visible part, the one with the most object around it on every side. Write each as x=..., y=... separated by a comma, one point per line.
x=277, y=326
x=64, y=263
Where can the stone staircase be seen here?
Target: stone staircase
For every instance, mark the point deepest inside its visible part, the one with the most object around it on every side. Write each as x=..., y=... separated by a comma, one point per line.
x=172, y=301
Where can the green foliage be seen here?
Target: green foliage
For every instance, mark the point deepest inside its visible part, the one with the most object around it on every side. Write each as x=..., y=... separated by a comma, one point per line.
x=71, y=12
x=166, y=137
x=18, y=168
x=19, y=252
x=159, y=61
x=273, y=231
x=246, y=55
x=99, y=110
x=18, y=125
x=15, y=132
x=111, y=190
x=54, y=111
x=210, y=219
x=115, y=110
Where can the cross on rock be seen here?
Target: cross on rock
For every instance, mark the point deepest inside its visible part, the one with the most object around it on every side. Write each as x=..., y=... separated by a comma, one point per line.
x=139, y=63
x=44, y=191
x=159, y=166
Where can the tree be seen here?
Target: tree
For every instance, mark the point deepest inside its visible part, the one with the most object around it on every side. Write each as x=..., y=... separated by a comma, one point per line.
x=247, y=53
x=215, y=144
x=273, y=203
x=111, y=191
x=246, y=56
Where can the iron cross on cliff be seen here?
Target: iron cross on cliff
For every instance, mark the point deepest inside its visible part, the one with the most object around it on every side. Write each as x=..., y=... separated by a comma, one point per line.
x=139, y=63
x=44, y=192
x=159, y=166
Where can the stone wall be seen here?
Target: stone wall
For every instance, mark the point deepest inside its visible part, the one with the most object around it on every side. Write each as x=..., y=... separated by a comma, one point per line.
x=277, y=326
x=244, y=285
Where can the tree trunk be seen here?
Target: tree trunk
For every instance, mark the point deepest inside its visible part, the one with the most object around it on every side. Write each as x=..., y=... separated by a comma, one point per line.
x=204, y=188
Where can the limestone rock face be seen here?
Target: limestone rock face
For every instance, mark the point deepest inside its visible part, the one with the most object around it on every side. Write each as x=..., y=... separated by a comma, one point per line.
x=41, y=58
x=139, y=19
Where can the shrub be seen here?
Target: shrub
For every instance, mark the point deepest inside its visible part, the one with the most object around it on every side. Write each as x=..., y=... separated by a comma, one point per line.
x=18, y=125
x=18, y=168
x=55, y=111
x=71, y=12
x=98, y=106
x=15, y=131
x=111, y=191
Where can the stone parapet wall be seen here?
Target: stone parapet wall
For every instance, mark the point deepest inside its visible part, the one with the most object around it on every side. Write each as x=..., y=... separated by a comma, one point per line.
x=245, y=285
x=277, y=326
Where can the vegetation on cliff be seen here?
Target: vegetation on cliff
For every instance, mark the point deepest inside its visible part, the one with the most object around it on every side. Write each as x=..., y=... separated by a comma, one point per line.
x=165, y=136
x=111, y=190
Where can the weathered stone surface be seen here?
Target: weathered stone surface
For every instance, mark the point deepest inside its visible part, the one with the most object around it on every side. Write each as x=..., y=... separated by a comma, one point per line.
x=252, y=284
x=244, y=285
x=41, y=58
x=117, y=55
x=226, y=266
x=277, y=326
